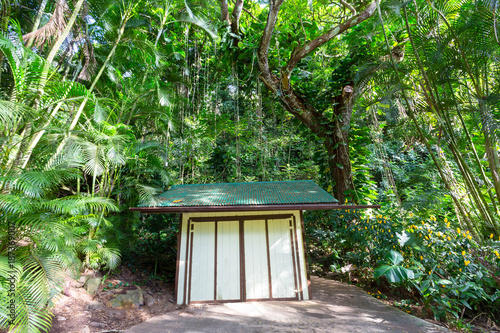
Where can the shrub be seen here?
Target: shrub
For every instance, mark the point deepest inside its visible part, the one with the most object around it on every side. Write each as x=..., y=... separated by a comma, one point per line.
x=453, y=274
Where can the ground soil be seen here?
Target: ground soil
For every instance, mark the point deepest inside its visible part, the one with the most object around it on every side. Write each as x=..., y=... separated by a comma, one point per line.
x=335, y=308
x=71, y=314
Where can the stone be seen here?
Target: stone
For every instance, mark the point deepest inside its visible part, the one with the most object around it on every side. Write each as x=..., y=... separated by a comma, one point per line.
x=130, y=300
x=94, y=305
x=80, y=282
x=85, y=329
x=92, y=285
x=96, y=324
x=149, y=301
x=61, y=318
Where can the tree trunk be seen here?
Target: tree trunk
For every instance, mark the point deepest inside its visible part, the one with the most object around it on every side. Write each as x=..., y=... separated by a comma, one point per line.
x=337, y=145
x=335, y=134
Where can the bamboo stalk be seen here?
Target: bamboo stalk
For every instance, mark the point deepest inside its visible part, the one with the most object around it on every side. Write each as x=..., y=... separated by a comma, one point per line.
x=419, y=130
x=126, y=17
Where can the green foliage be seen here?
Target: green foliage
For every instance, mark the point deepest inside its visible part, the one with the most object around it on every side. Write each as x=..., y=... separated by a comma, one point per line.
x=154, y=248
x=451, y=272
x=172, y=99
x=392, y=270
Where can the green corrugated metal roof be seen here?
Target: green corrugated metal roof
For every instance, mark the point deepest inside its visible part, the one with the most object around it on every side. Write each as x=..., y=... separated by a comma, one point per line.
x=235, y=194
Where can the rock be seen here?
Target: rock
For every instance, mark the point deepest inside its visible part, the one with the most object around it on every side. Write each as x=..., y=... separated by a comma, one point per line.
x=95, y=324
x=92, y=285
x=85, y=329
x=130, y=300
x=80, y=282
x=149, y=301
x=171, y=300
x=77, y=284
x=61, y=318
x=94, y=305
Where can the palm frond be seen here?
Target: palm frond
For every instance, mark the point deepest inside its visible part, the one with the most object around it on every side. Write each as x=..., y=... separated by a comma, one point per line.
x=35, y=184
x=15, y=204
x=110, y=256
x=200, y=23
x=80, y=205
x=147, y=194
x=10, y=112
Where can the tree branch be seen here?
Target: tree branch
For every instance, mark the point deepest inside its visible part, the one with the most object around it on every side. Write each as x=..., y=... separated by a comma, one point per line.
x=299, y=53
x=251, y=15
x=306, y=113
x=235, y=24
x=348, y=6
x=272, y=17
x=292, y=103
x=224, y=11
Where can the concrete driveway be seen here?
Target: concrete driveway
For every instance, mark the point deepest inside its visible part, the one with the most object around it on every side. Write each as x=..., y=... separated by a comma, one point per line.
x=337, y=307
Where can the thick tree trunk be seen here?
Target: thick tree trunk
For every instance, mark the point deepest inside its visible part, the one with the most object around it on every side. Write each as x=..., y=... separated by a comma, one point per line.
x=338, y=153
x=340, y=167
x=335, y=134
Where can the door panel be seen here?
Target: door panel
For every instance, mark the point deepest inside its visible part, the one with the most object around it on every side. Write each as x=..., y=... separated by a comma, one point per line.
x=256, y=265
x=228, y=260
x=282, y=264
x=222, y=269
x=203, y=262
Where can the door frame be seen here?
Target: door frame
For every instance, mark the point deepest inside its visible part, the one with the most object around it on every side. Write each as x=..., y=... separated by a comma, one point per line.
x=241, y=219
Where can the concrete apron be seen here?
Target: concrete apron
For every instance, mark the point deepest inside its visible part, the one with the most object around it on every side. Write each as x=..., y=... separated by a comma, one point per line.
x=336, y=307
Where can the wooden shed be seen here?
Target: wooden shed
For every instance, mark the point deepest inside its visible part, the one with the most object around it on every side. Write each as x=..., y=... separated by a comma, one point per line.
x=242, y=241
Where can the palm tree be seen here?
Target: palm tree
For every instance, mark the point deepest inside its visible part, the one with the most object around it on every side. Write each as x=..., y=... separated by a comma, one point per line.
x=450, y=56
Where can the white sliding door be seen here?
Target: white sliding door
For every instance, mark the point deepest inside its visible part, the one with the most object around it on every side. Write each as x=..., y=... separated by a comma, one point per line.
x=283, y=279
x=228, y=261
x=256, y=263
x=232, y=258
x=202, y=262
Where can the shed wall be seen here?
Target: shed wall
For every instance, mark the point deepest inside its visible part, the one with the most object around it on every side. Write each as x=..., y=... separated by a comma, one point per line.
x=249, y=281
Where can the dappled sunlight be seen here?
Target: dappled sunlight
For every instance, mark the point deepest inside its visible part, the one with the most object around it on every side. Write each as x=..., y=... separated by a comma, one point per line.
x=336, y=307
x=251, y=193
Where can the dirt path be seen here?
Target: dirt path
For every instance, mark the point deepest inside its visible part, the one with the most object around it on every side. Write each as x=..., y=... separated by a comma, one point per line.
x=337, y=307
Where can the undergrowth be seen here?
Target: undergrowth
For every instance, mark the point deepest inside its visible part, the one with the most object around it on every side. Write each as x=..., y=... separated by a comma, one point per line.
x=433, y=262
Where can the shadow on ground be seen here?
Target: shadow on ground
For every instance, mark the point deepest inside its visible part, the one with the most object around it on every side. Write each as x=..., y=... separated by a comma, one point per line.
x=336, y=307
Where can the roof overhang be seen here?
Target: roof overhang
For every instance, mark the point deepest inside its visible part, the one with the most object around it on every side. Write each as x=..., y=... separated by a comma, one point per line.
x=240, y=208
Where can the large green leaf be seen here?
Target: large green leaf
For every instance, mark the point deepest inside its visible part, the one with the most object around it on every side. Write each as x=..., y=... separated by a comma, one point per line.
x=394, y=273
x=392, y=270
x=395, y=257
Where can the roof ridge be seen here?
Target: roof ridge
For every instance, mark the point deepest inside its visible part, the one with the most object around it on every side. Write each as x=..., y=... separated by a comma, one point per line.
x=287, y=192
x=264, y=182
